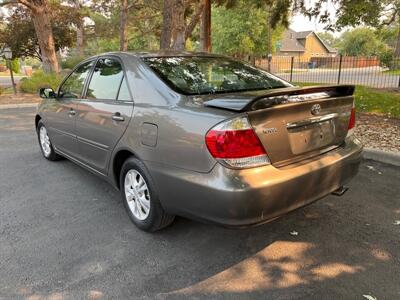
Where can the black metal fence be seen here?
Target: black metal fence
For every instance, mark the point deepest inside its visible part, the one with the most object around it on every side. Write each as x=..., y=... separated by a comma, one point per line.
x=368, y=71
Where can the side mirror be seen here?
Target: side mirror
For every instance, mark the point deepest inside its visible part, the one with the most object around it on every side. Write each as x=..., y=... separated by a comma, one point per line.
x=47, y=93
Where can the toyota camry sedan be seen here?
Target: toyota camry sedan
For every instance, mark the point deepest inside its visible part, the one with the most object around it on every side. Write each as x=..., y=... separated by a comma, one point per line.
x=201, y=136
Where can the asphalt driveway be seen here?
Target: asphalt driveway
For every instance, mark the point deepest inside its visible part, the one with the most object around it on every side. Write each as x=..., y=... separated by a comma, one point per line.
x=64, y=235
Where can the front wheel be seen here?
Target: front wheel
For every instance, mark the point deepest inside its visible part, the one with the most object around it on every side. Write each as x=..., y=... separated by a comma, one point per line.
x=140, y=197
x=45, y=144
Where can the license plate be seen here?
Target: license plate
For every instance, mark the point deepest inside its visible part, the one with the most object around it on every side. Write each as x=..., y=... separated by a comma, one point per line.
x=311, y=137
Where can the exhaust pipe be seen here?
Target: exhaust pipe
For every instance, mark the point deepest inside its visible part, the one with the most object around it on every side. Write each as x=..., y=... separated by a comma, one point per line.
x=340, y=191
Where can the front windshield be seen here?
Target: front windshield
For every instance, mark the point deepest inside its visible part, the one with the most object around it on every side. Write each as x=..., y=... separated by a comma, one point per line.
x=196, y=75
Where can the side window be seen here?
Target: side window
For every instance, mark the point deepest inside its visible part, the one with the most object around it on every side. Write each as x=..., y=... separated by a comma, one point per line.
x=73, y=86
x=124, y=92
x=106, y=80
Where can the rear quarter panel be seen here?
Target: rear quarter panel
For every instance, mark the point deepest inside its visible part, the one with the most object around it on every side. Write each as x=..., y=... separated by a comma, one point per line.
x=181, y=122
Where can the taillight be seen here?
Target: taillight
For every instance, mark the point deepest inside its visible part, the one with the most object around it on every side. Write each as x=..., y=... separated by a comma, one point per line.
x=352, y=121
x=235, y=144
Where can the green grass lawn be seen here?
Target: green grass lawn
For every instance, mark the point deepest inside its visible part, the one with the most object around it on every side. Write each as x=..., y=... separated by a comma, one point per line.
x=391, y=72
x=371, y=100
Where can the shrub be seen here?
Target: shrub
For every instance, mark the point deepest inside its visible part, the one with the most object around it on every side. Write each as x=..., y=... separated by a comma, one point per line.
x=15, y=65
x=389, y=60
x=71, y=61
x=39, y=80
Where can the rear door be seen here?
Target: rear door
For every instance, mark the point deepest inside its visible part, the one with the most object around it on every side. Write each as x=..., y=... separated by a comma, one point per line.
x=103, y=114
x=62, y=114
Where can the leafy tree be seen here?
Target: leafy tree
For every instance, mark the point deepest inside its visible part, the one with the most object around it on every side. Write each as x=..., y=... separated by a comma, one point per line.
x=19, y=33
x=360, y=42
x=40, y=12
x=328, y=38
x=279, y=10
x=374, y=13
x=234, y=33
x=140, y=27
x=81, y=10
x=180, y=18
x=388, y=35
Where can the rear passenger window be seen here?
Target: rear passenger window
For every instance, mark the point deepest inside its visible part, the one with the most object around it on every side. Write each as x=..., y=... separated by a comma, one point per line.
x=124, y=92
x=106, y=80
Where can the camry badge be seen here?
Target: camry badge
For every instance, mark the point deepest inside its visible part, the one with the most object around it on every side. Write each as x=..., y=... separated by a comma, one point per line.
x=316, y=109
x=270, y=130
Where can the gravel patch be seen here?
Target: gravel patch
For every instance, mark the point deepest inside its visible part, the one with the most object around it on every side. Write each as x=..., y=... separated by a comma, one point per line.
x=378, y=132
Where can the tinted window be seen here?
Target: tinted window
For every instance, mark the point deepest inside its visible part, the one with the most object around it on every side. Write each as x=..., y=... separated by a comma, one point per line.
x=73, y=86
x=124, y=92
x=106, y=80
x=207, y=75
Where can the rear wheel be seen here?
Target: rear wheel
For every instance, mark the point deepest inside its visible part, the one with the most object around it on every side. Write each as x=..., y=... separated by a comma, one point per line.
x=141, y=198
x=45, y=144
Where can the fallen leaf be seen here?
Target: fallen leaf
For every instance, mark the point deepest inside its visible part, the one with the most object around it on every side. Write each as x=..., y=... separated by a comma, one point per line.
x=369, y=297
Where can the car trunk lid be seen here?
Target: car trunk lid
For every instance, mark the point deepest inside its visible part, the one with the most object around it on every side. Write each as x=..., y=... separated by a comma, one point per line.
x=294, y=124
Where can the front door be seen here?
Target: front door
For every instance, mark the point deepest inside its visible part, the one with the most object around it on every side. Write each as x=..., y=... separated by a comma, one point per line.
x=62, y=115
x=103, y=114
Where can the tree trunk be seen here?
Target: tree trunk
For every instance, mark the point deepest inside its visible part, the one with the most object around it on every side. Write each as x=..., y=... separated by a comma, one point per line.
x=179, y=26
x=269, y=32
x=397, y=50
x=194, y=20
x=123, y=34
x=79, y=31
x=166, y=34
x=44, y=35
x=205, y=27
x=79, y=39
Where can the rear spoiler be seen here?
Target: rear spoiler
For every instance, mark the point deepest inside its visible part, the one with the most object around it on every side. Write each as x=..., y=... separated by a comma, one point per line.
x=281, y=96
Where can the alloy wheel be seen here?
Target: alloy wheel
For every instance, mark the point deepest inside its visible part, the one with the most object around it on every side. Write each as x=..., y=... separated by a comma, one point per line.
x=137, y=194
x=44, y=141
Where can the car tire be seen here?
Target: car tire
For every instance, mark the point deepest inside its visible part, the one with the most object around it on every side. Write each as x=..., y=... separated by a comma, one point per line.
x=45, y=144
x=141, y=198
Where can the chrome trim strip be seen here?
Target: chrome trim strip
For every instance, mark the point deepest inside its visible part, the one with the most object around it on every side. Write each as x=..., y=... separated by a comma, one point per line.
x=310, y=121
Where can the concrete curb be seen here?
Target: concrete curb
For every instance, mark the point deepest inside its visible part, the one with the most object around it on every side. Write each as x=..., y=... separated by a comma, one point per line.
x=19, y=105
x=392, y=158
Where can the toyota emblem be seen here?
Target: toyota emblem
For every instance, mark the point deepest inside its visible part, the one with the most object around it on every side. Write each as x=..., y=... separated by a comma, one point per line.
x=316, y=109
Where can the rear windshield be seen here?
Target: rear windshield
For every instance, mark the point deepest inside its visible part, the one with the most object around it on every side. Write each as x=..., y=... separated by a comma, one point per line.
x=208, y=75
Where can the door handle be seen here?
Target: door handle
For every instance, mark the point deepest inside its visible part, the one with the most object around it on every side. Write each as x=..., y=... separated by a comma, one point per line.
x=117, y=117
x=72, y=112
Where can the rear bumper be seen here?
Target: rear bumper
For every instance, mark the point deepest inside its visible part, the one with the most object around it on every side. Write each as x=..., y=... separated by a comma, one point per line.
x=246, y=197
